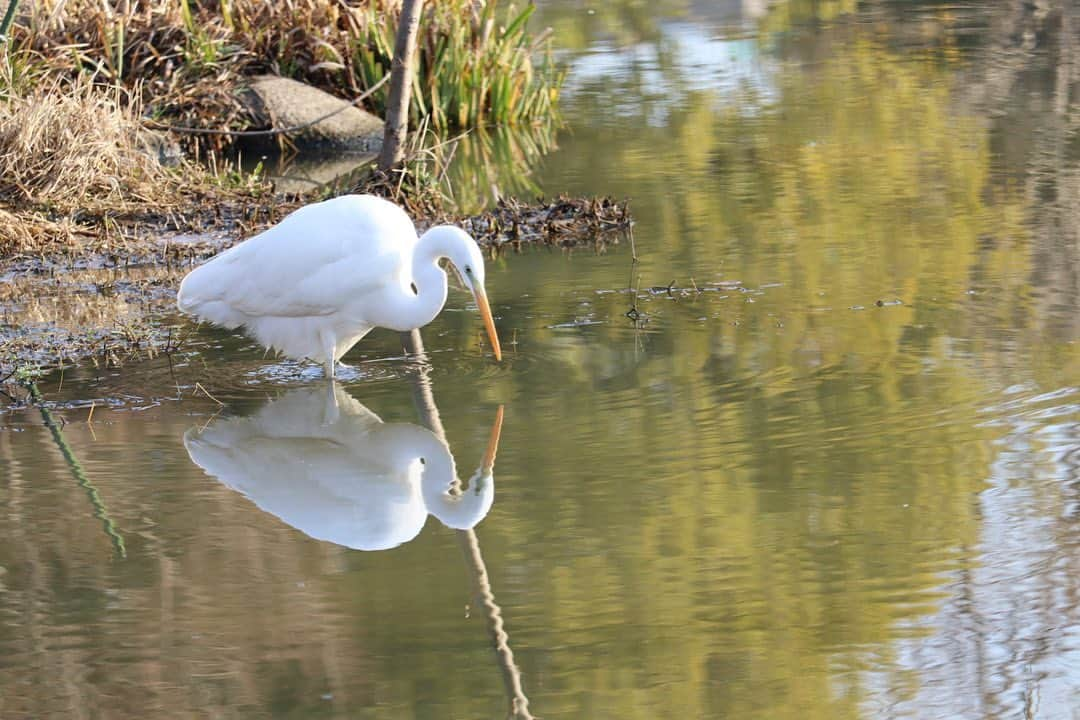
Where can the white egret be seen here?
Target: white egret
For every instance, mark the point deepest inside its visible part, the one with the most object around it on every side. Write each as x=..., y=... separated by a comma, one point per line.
x=357, y=482
x=322, y=278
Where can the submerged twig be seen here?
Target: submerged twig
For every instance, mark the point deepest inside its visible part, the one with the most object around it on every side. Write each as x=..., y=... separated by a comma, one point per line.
x=100, y=511
x=632, y=313
x=519, y=702
x=198, y=386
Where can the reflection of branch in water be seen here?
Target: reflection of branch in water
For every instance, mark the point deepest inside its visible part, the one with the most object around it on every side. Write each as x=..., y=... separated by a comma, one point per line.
x=470, y=544
x=519, y=703
x=100, y=511
x=423, y=397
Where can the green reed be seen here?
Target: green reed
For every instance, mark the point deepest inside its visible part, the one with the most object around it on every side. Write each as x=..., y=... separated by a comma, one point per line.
x=473, y=69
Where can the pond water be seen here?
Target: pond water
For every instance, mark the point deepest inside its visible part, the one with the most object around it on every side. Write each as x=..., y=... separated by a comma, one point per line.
x=830, y=470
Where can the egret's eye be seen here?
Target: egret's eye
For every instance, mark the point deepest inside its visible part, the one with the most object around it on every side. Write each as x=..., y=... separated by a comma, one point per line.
x=468, y=270
x=414, y=290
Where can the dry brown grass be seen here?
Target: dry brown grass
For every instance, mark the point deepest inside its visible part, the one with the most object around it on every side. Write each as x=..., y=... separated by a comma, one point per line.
x=28, y=232
x=78, y=173
x=74, y=145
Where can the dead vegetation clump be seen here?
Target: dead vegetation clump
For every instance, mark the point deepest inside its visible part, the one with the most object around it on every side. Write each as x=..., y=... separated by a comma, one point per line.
x=79, y=173
x=419, y=186
x=74, y=146
x=562, y=222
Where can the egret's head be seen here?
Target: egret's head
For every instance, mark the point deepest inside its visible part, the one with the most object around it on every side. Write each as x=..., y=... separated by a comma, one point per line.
x=464, y=254
x=464, y=511
x=467, y=260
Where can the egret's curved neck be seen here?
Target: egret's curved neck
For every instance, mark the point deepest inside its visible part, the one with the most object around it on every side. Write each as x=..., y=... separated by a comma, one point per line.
x=416, y=309
x=463, y=511
x=459, y=510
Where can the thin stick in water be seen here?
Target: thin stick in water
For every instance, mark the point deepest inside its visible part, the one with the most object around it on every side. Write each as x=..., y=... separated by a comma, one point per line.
x=100, y=511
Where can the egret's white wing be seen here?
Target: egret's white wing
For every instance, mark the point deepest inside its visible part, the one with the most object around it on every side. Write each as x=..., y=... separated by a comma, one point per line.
x=306, y=264
x=331, y=481
x=288, y=441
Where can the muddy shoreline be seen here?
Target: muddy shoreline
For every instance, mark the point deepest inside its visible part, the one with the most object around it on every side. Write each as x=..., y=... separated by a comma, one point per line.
x=108, y=308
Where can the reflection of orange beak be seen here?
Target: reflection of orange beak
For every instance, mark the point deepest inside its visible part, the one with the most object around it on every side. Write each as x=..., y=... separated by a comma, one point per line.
x=493, y=442
x=489, y=322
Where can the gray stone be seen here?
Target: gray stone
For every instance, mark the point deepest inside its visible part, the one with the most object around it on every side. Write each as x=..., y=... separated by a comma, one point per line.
x=159, y=144
x=278, y=102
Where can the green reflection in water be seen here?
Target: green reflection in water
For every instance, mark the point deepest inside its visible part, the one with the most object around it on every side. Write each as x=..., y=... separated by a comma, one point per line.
x=489, y=163
x=738, y=509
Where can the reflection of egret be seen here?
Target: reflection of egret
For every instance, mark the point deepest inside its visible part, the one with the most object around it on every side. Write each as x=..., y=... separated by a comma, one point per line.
x=357, y=482
x=322, y=278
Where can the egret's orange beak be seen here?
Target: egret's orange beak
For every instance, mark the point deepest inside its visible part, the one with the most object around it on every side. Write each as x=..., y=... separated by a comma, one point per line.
x=493, y=443
x=489, y=322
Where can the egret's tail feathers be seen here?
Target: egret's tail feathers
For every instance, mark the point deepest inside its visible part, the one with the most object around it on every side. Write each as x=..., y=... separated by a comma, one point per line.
x=293, y=337
x=202, y=294
x=218, y=312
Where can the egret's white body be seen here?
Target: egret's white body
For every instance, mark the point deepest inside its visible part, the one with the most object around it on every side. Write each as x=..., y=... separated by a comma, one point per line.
x=322, y=278
x=357, y=482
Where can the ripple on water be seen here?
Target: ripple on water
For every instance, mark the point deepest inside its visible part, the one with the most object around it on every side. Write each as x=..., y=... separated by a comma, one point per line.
x=296, y=372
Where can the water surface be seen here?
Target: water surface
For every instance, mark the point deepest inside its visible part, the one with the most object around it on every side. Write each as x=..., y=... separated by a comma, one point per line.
x=830, y=468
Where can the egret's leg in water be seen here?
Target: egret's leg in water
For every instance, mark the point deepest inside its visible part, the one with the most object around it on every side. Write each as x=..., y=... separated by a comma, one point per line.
x=329, y=343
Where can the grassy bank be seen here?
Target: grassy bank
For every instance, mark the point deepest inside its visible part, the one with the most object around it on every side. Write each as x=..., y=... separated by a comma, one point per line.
x=185, y=59
x=107, y=314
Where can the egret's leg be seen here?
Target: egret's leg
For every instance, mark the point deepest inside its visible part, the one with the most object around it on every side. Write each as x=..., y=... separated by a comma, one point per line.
x=329, y=343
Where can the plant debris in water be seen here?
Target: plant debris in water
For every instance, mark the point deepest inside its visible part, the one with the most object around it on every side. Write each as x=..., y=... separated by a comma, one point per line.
x=419, y=187
x=563, y=222
x=106, y=317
